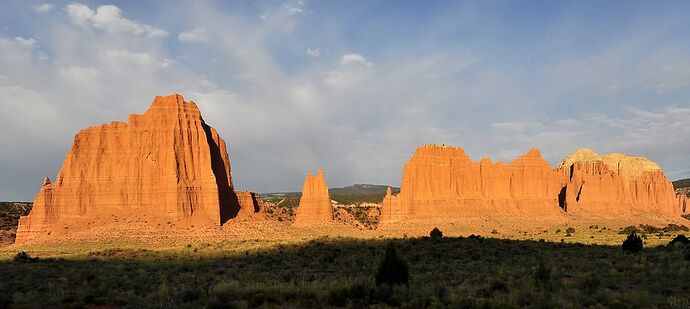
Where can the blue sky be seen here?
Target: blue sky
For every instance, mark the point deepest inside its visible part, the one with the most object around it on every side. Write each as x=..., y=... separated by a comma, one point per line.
x=350, y=86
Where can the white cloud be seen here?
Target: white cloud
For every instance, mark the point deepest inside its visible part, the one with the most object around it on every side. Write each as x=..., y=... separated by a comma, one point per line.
x=313, y=52
x=128, y=60
x=109, y=18
x=194, y=35
x=354, y=59
x=24, y=42
x=80, y=75
x=294, y=8
x=354, y=68
x=45, y=7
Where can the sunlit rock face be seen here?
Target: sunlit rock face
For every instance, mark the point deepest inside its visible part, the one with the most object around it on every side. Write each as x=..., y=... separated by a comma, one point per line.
x=683, y=202
x=442, y=182
x=166, y=163
x=315, y=203
x=615, y=185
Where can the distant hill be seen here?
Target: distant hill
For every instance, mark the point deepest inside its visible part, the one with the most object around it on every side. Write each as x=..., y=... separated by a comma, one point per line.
x=683, y=183
x=9, y=218
x=362, y=189
x=354, y=194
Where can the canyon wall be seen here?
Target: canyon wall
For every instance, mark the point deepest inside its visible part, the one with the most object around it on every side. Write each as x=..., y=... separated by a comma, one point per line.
x=443, y=182
x=615, y=185
x=166, y=163
x=315, y=203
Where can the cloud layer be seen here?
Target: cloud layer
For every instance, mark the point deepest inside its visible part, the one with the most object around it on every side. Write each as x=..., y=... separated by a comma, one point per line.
x=352, y=88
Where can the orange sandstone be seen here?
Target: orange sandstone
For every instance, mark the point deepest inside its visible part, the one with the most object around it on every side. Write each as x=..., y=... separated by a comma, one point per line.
x=442, y=182
x=683, y=202
x=166, y=163
x=615, y=185
x=315, y=203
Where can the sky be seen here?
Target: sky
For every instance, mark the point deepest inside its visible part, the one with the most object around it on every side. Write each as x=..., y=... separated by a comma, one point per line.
x=352, y=87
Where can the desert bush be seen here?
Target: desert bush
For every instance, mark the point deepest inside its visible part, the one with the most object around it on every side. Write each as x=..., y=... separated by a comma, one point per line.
x=393, y=270
x=629, y=229
x=476, y=237
x=436, y=233
x=542, y=275
x=339, y=297
x=493, y=289
x=676, y=228
x=570, y=230
x=633, y=243
x=23, y=257
x=680, y=239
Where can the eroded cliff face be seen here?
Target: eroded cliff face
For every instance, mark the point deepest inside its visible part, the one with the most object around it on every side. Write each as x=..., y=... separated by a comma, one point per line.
x=683, y=202
x=166, y=163
x=615, y=185
x=315, y=203
x=442, y=182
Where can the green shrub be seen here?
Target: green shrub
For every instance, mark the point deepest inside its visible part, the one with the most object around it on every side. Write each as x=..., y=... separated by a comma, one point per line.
x=393, y=270
x=633, y=243
x=629, y=229
x=680, y=239
x=23, y=257
x=436, y=233
x=542, y=275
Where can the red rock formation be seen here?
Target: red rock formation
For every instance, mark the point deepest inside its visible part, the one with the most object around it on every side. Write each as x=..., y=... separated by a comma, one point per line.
x=315, y=203
x=166, y=163
x=442, y=182
x=683, y=202
x=615, y=185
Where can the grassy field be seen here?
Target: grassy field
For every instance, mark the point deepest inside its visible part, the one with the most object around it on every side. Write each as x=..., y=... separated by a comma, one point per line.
x=339, y=272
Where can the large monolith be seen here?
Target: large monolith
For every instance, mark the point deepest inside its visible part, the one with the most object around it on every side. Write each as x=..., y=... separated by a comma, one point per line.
x=165, y=164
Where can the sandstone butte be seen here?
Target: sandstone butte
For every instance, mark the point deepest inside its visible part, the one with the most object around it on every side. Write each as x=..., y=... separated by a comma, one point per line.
x=443, y=182
x=315, y=203
x=615, y=185
x=166, y=164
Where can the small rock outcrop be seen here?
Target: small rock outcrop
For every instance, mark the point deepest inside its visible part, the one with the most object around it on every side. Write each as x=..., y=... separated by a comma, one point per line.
x=315, y=203
x=442, y=182
x=615, y=185
x=166, y=163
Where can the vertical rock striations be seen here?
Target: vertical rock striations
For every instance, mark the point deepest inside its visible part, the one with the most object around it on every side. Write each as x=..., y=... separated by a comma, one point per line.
x=615, y=185
x=683, y=202
x=315, y=203
x=166, y=163
x=442, y=182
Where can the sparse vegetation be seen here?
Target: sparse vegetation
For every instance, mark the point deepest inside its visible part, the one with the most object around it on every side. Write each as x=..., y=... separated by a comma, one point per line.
x=9, y=218
x=23, y=257
x=436, y=233
x=680, y=240
x=393, y=270
x=633, y=243
x=453, y=273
